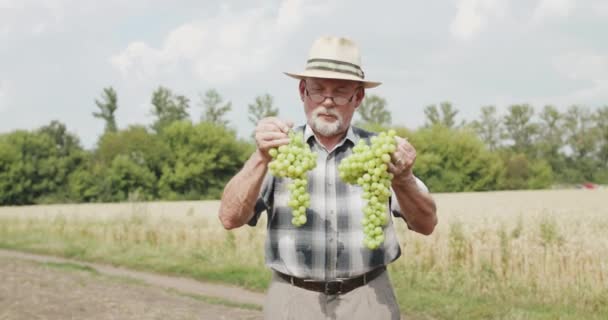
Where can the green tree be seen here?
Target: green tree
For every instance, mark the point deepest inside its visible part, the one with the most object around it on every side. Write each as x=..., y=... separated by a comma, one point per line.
x=523, y=173
x=601, y=123
x=445, y=115
x=107, y=107
x=136, y=143
x=15, y=168
x=88, y=183
x=65, y=155
x=373, y=111
x=168, y=108
x=262, y=108
x=581, y=138
x=373, y=127
x=541, y=175
x=520, y=129
x=65, y=142
x=115, y=154
x=451, y=160
x=489, y=128
x=127, y=179
x=550, y=138
x=580, y=134
x=214, y=108
x=550, y=131
x=204, y=157
x=35, y=166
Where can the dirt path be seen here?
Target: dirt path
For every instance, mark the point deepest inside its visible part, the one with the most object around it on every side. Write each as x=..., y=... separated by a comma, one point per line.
x=30, y=290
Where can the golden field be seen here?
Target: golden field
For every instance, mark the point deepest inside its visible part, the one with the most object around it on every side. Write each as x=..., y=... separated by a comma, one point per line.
x=520, y=250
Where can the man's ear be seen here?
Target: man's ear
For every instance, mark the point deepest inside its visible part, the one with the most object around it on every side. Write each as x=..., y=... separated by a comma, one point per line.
x=302, y=88
x=359, y=96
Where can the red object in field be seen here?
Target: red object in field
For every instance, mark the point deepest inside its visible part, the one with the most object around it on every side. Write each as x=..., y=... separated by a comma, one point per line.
x=589, y=185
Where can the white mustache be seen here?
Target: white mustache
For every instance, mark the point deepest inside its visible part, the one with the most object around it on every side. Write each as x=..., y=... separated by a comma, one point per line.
x=330, y=112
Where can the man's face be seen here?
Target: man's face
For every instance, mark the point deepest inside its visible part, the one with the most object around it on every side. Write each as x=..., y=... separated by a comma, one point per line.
x=326, y=117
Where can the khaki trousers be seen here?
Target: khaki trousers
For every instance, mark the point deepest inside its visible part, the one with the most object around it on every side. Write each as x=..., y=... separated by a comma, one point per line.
x=375, y=300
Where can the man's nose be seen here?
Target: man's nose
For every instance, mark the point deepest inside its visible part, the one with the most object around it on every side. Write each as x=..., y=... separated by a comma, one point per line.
x=329, y=102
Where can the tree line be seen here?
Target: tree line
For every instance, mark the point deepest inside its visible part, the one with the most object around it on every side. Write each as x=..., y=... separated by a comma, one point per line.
x=178, y=158
x=519, y=149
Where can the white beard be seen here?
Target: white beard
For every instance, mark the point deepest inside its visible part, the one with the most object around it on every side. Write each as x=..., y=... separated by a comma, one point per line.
x=323, y=127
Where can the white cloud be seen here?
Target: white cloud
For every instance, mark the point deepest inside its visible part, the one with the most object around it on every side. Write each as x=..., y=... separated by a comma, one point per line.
x=547, y=9
x=474, y=15
x=31, y=17
x=587, y=67
x=219, y=49
x=600, y=8
x=8, y=4
x=288, y=14
x=36, y=17
x=582, y=66
x=292, y=12
x=589, y=96
x=3, y=95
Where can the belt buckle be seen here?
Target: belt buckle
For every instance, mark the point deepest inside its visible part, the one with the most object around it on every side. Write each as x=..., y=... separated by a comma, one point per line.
x=333, y=287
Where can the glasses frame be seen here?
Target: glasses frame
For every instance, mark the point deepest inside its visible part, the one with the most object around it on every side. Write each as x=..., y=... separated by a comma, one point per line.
x=333, y=99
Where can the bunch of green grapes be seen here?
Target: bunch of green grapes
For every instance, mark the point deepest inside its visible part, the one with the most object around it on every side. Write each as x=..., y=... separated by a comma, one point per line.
x=293, y=161
x=367, y=166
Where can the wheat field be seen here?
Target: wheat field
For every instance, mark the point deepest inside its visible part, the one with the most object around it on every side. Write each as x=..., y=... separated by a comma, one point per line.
x=544, y=246
x=552, y=245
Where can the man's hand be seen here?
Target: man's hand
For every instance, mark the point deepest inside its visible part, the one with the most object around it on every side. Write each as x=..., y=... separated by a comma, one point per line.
x=271, y=133
x=402, y=161
x=417, y=207
x=243, y=190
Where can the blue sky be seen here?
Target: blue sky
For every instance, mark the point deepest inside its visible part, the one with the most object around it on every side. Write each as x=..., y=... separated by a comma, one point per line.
x=57, y=56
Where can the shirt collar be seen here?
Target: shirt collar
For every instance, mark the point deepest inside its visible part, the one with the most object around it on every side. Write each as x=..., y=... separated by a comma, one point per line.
x=350, y=135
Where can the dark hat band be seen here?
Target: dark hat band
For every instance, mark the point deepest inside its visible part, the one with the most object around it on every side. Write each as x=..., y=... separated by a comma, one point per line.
x=335, y=66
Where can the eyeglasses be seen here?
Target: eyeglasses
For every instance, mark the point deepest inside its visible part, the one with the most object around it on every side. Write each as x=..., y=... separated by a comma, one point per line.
x=339, y=101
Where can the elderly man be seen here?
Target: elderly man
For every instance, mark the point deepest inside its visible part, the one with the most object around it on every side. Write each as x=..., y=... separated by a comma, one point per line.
x=322, y=269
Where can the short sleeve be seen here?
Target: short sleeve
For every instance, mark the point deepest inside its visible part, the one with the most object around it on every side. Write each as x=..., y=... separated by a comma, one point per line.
x=264, y=201
x=394, y=204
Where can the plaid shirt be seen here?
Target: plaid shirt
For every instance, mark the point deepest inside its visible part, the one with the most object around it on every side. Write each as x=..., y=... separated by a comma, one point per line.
x=330, y=244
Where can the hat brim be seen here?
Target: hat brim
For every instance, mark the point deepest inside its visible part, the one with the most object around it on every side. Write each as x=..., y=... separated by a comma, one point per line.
x=323, y=74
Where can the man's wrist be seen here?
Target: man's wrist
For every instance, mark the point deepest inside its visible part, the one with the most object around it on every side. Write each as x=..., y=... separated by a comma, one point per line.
x=261, y=157
x=404, y=180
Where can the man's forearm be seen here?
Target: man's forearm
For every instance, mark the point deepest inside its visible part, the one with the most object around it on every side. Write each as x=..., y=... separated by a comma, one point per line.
x=417, y=207
x=242, y=191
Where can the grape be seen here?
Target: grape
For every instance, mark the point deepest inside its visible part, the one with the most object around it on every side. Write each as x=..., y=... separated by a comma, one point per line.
x=367, y=167
x=293, y=161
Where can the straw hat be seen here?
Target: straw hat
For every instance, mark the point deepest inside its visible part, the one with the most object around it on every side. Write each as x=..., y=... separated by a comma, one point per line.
x=334, y=58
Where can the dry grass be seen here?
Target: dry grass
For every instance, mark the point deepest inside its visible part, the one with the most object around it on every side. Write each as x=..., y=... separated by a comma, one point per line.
x=173, y=237
x=551, y=246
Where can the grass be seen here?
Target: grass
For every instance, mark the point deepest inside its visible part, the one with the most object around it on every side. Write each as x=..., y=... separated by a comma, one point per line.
x=219, y=301
x=521, y=255
x=209, y=263
x=75, y=267
x=69, y=266
x=424, y=297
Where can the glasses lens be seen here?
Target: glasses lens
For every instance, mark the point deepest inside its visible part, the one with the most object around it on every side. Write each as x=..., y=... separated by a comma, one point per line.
x=340, y=101
x=317, y=98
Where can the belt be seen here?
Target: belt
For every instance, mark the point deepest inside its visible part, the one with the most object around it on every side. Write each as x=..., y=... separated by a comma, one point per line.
x=332, y=287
